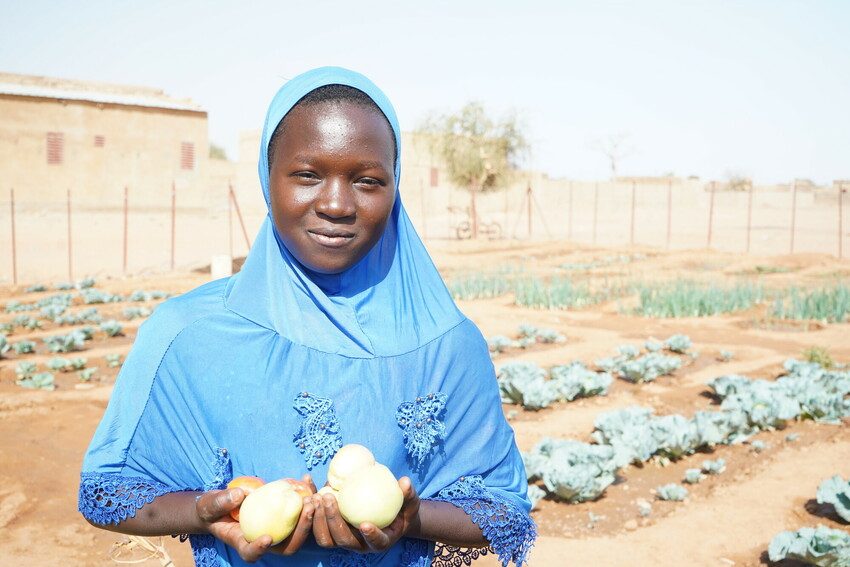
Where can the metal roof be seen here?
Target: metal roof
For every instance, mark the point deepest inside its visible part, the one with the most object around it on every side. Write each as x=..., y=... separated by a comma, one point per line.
x=97, y=96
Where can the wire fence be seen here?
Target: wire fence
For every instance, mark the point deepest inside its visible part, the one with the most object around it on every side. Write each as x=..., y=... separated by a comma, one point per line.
x=80, y=236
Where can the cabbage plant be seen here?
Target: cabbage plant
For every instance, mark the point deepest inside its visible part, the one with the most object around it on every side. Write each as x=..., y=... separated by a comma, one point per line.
x=821, y=546
x=571, y=470
x=836, y=491
x=112, y=328
x=24, y=347
x=38, y=381
x=672, y=492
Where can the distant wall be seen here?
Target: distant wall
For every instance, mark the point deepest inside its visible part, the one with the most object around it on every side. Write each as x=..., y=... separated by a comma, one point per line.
x=103, y=148
x=206, y=221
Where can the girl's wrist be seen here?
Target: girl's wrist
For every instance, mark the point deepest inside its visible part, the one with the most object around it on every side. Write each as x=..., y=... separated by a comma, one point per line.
x=415, y=529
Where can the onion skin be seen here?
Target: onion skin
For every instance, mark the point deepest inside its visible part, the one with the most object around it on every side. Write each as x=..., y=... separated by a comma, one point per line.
x=272, y=509
x=371, y=495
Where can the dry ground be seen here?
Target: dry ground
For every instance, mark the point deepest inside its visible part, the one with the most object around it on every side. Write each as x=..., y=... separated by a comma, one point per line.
x=728, y=519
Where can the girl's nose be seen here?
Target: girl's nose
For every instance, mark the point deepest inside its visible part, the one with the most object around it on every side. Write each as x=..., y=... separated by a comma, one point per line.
x=336, y=200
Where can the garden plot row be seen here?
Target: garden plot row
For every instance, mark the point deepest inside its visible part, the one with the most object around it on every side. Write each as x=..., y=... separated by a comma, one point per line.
x=54, y=311
x=573, y=471
x=532, y=387
x=680, y=298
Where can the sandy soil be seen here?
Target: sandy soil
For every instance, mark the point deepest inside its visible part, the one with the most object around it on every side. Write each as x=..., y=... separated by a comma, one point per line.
x=727, y=520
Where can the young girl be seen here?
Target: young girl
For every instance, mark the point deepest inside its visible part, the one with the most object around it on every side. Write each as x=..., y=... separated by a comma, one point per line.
x=338, y=329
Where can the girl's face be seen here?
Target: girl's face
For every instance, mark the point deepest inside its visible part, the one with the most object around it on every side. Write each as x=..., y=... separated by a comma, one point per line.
x=332, y=183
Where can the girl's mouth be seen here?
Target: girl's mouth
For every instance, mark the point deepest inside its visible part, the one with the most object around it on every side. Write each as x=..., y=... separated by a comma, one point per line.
x=331, y=237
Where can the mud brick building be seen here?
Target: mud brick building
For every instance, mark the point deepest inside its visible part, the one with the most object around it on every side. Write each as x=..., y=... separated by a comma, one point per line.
x=95, y=138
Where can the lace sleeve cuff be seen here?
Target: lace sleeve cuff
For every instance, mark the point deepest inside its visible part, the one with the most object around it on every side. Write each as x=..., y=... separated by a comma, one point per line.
x=509, y=529
x=112, y=498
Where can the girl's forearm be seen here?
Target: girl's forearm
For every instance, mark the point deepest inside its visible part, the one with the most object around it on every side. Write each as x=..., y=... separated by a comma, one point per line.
x=446, y=523
x=172, y=513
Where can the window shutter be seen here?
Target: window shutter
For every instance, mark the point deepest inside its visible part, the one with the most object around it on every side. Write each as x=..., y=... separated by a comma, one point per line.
x=187, y=155
x=55, y=147
x=99, y=141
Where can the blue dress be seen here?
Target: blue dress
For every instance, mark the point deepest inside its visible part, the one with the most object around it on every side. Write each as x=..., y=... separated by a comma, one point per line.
x=269, y=372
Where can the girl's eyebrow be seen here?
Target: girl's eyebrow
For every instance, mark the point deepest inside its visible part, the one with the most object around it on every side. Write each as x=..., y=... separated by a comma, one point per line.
x=366, y=164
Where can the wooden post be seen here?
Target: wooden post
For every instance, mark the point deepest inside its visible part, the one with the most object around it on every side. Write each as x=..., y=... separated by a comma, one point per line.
x=793, y=215
x=239, y=216
x=124, y=264
x=173, y=219
x=570, y=215
x=840, y=221
x=632, y=224
x=424, y=214
x=749, y=215
x=528, y=195
x=14, y=246
x=595, y=208
x=70, y=264
x=229, y=220
x=669, y=210
x=710, y=215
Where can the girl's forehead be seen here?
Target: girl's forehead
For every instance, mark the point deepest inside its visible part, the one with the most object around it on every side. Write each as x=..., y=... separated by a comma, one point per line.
x=335, y=122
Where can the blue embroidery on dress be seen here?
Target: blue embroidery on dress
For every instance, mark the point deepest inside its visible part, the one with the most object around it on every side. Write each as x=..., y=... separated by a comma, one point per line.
x=110, y=498
x=348, y=558
x=203, y=545
x=415, y=553
x=318, y=437
x=509, y=529
x=421, y=426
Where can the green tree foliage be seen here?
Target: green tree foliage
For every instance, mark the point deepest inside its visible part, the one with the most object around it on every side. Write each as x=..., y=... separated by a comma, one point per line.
x=481, y=153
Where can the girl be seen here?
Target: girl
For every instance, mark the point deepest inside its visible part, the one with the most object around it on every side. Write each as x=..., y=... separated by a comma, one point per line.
x=338, y=329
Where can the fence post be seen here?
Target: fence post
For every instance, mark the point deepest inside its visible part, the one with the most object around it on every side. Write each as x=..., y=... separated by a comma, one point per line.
x=793, y=215
x=239, y=216
x=70, y=265
x=570, y=215
x=424, y=212
x=173, y=219
x=528, y=195
x=840, y=221
x=632, y=224
x=749, y=215
x=14, y=246
x=710, y=214
x=669, y=210
x=124, y=264
x=595, y=208
x=229, y=219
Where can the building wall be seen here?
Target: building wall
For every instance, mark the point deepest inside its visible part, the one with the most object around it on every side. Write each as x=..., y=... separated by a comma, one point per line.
x=141, y=149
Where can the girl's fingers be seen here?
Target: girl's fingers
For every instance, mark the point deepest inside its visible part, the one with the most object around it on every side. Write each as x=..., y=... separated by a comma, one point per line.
x=214, y=504
x=339, y=530
x=301, y=532
x=308, y=479
x=320, y=527
x=252, y=551
x=375, y=538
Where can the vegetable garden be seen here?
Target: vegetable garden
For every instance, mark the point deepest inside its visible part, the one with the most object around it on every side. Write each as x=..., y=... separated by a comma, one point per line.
x=672, y=408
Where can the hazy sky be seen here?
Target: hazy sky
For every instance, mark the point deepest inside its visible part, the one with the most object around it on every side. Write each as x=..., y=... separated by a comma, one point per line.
x=759, y=88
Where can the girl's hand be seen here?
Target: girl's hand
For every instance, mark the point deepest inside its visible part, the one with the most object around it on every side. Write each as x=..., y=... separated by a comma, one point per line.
x=331, y=530
x=214, y=507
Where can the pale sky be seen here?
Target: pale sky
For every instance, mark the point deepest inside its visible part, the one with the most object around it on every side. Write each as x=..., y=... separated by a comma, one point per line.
x=710, y=88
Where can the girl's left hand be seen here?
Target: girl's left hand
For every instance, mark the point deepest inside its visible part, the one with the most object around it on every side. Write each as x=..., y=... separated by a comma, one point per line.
x=331, y=530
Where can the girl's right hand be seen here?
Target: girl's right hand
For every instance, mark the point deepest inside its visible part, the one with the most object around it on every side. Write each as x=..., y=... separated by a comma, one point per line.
x=214, y=507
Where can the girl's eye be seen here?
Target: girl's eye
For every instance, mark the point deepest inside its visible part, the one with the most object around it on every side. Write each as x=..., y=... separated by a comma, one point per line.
x=306, y=175
x=369, y=181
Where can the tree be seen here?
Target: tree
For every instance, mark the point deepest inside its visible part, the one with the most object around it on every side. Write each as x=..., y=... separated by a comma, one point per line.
x=481, y=154
x=616, y=149
x=217, y=152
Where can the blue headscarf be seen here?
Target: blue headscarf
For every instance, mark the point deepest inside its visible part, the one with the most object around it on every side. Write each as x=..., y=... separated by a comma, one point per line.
x=269, y=372
x=391, y=302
